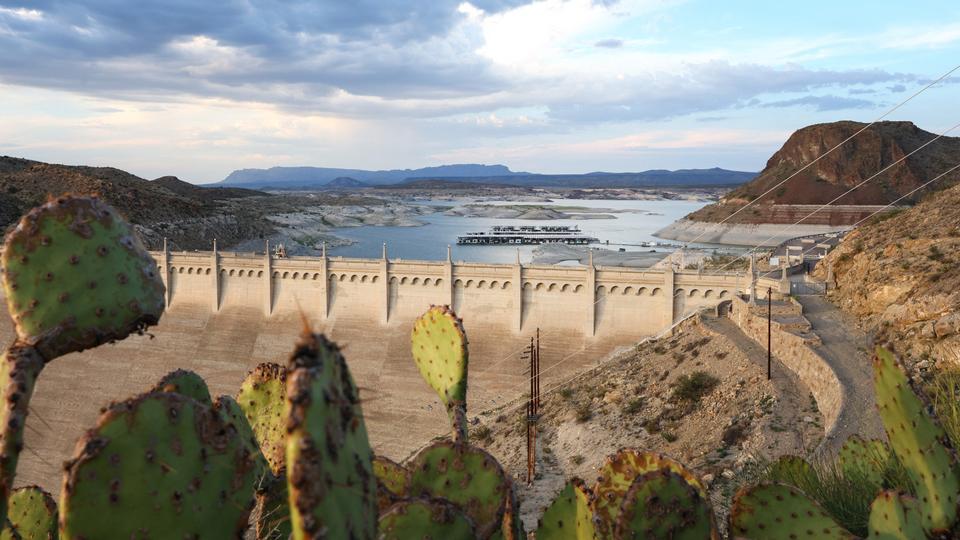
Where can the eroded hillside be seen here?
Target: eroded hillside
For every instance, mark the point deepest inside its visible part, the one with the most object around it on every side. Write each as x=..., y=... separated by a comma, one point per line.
x=901, y=277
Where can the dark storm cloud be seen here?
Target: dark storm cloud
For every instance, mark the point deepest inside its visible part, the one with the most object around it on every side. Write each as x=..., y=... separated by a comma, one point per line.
x=122, y=48
x=713, y=86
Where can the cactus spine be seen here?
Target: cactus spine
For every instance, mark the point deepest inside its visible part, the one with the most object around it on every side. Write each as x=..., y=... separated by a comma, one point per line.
x=330, y=478
x=915, y=439
x=439, y=347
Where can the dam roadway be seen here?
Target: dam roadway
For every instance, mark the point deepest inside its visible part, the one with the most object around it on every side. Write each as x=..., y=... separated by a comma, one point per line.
x=228, y=312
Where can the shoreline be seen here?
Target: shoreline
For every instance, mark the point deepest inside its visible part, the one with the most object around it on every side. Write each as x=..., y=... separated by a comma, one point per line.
x=737, y=234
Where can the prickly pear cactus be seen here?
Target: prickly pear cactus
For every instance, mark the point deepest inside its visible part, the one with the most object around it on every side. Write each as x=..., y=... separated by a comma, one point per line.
x=235, y=420
x=333, y=492
x=663, y=505
x=185, y=383
x=617, y=475
x=439, y=347
x=895, y=517
x=19, y=368
x=425, y=518
x=160, y=465
x=511, y=528
x=76, y=275
x=464, y=475
x=570, y=515
x=272, y=514
x=32, y=515
x=780, y=512
x=865, y=458
x=262, y=396
x=915, y=439
x=392, y=482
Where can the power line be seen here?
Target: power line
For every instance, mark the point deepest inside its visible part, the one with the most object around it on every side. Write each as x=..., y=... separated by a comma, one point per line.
x=838, y=145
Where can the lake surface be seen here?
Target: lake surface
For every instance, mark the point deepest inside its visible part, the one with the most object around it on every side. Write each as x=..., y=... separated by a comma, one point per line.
x=430, y=241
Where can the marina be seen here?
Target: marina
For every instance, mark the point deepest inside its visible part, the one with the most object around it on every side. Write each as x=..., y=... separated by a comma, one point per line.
x=528, y=235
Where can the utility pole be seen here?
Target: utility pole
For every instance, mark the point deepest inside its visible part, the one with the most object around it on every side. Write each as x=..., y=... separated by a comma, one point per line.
x=532, y=353
x=769, y=295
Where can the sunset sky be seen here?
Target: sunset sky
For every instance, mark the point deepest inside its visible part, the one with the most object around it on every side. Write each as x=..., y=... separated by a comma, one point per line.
x=198, y=89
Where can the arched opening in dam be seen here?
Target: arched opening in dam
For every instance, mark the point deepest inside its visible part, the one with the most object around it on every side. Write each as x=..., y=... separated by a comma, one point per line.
x=228, y=312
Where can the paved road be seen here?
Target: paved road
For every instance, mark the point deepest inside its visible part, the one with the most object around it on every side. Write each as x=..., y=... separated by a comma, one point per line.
x=845, y=349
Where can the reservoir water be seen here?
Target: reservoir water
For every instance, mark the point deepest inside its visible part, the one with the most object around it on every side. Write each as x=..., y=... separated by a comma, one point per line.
x=634, y=223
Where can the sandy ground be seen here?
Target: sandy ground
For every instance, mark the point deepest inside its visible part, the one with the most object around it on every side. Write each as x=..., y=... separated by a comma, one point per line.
x=745, y=419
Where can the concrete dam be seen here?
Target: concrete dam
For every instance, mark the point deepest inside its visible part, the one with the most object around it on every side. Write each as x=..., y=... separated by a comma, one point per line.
x=228, y=312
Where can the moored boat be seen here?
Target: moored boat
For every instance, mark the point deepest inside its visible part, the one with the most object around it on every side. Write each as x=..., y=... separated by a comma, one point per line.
x=527, y=234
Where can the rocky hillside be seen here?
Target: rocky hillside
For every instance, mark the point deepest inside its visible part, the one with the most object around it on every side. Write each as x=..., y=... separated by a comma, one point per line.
x=189, y=215
x=863, y=156
x=901, y=277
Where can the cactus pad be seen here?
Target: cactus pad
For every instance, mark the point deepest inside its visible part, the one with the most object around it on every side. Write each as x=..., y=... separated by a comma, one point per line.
x=392, y=482
x=234, y=419
x=569, y=516
x=185, y=383
x=262, y=397
x=895, y=517
x=160, y=465
x=865, y=458
x=511, y=528
x=19, y=368
x=663, y=505
x=618, y=473
x=76, y=275
x=425, y=518
x=780, y=512
x=915, y=439
x=32, y=515
x=466, y=476
x=439, y=347
x=333, y=492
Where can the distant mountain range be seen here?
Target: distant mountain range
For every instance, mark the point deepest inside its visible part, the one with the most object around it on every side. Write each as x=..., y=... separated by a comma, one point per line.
x=322, y=177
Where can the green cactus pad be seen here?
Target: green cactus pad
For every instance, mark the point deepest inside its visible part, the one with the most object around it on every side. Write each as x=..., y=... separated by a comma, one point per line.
x=570, y=515
x=185, y=383
x=234, y=418
x=864, y=458
x=434, y=519
x=915, y=439
x=32, y=515
x=895, y=517
x=272, y=514
x=780, y=512
x=19, y=368
x=333, y=491
x=466, y=476
x=392, y=482
x=160, y=465
x=262, y=396
x=617, y=475
x=663, y=505
x=76, y=275
x=439, y=347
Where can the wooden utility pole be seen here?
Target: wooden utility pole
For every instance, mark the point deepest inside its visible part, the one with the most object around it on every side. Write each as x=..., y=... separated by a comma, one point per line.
x=532, y=353
x=769, y=295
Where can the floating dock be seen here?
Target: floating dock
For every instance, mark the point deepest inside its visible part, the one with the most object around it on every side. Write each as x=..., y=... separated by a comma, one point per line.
x=527, y=234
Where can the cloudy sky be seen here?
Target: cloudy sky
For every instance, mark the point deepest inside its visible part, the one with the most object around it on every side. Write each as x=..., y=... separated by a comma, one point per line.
x=197, y=89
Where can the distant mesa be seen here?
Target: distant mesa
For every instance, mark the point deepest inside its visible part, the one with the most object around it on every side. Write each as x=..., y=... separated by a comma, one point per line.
x=346, y=182
x=447, y=175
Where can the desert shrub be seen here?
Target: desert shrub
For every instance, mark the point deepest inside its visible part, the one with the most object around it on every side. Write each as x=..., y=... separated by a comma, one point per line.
x=660, y=349
x=721, y=354
x=566, y=393
x=482, y=433
x=583, y=412
x=690, y=388
x=578, y=459
x=944, y=394
x=652, y=425
x=633, y=406
x=668, y=436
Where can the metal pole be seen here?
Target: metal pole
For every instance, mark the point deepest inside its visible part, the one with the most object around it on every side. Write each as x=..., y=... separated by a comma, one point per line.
x=537, y=400
x=769, y=295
